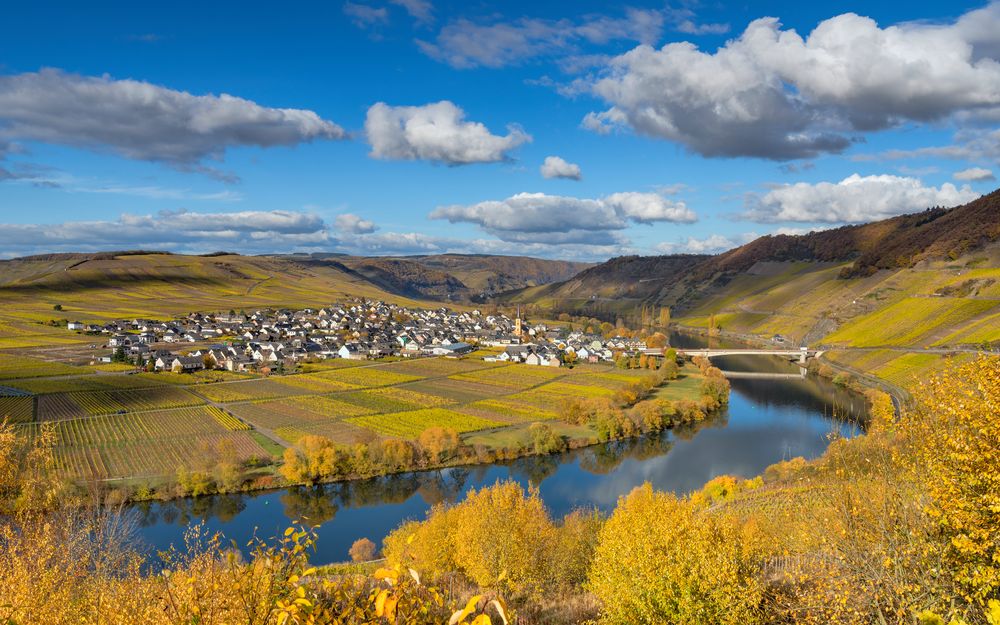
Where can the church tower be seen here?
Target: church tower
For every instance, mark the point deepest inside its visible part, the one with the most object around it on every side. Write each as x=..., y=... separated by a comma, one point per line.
x=517, y=323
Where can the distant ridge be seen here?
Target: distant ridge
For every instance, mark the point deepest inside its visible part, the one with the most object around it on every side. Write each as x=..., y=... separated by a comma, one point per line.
x=627, y=282
x=92, y=255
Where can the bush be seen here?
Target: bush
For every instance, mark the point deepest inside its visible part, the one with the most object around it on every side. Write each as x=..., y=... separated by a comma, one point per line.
x=660, y=561
x=545, y=440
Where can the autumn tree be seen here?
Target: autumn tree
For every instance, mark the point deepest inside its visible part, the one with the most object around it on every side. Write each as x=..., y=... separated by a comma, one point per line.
x=362, y=550
x=664, y=316
x=439, y=443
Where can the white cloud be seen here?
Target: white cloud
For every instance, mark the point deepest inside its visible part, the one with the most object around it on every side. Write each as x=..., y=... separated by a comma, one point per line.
x=436, y=132
x=153, y=192
x=465, y=44
x=799, y=231
x=278, y=232
x=142, y=121
x=712, y=244
x=683, y=20
x=970, y=144
x=975, y=174
x=365, y=16
x=854, y=199
x=771, y=93
x=352, y=224
x=420, y=10
x=403, y=243
x=537, y=217
x=268, y=231
x=556, y=167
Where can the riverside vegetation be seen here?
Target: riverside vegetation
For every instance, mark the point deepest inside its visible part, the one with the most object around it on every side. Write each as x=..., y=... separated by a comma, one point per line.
x=899, y=525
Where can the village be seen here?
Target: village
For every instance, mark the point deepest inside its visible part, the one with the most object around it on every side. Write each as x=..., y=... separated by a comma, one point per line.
x=266, y=341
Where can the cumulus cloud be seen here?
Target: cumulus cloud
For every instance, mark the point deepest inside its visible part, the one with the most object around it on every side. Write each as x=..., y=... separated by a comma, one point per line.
x=142, y=121
x=538, y=218
x=420, y=10
x=771, y=93
x=555, y=167
x=712, y=244
x=854, y=199
x=465, y=44
x=974, y=174
x=436, y=132
x=352, y=224
x=364, y=16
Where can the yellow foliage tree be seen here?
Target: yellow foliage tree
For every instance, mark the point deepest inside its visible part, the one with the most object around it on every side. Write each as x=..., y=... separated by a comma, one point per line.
x=659, y=560
x=955, y=431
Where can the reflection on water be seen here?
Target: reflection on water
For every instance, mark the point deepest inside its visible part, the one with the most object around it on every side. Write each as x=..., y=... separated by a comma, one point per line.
x=767, y=421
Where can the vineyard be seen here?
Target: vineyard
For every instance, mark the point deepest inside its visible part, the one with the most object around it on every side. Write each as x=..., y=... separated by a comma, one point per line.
x=369, y=377
x=108, y=402
x=118, y=425
x=249, y=390
x=411, y=424
x=143, y=444
x=19, y=367
x=911, y=321
x=15, y=406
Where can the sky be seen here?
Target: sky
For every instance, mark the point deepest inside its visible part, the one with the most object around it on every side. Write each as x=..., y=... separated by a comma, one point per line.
x=580, y=130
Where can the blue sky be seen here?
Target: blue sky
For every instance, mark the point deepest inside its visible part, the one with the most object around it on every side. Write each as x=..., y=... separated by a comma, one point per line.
x=420, y=126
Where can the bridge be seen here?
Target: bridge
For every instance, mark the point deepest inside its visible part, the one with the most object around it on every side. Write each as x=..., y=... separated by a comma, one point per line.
x=802, y=353
x=755, y=375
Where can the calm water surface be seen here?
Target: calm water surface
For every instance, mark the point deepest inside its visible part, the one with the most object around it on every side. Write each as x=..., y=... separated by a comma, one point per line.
x=768, y=420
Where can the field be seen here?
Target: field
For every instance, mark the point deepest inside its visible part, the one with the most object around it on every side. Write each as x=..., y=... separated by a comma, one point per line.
x=144, y=444
x=113, y=425
x=411, y=423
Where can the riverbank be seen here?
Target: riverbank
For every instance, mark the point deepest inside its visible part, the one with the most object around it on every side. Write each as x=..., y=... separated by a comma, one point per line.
x=766, y=421
x=864, y=379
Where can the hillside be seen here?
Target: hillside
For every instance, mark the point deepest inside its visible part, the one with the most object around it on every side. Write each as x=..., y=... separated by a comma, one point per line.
x=406, y=277
x=456, y=276
x=927, y=281
x=103, y=286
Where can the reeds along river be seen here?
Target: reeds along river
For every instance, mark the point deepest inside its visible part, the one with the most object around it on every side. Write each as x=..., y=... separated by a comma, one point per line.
x=768, y=420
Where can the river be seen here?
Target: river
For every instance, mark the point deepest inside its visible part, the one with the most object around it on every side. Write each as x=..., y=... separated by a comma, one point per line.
x=767, y=420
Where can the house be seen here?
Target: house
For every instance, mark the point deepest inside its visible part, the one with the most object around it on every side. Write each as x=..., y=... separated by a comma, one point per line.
x=187, y=364
x=452, y=349
x=353, y=351
x=240, y=364
x=75, y=325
